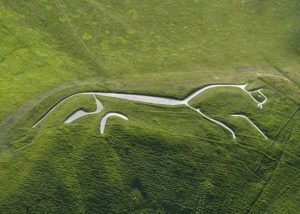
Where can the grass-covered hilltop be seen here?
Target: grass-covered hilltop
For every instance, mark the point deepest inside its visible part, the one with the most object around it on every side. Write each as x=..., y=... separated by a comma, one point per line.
x=230, y=143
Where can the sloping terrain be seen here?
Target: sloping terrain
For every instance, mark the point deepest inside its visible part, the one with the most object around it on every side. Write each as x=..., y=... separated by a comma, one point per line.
x=164, y=159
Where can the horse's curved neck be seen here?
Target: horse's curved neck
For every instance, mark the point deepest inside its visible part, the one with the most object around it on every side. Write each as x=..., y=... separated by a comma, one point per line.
x=201, y=90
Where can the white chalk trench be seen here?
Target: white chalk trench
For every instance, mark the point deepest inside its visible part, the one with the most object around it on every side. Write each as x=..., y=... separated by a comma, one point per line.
x=158, y=101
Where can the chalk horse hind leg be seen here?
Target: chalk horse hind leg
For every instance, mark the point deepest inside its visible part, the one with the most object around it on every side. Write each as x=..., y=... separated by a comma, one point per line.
x=106, y=117
x=81, y=113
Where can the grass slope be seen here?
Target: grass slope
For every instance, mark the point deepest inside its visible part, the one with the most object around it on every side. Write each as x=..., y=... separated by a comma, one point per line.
x=164, y=159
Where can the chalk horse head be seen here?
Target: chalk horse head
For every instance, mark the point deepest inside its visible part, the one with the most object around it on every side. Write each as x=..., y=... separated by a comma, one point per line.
x=157, y=101
x=256, y=97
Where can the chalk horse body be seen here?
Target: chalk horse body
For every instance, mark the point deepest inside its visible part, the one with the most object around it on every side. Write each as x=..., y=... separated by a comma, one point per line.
x=157, y=101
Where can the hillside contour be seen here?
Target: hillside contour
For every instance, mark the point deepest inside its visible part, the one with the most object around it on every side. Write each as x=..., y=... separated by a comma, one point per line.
x=150, y=106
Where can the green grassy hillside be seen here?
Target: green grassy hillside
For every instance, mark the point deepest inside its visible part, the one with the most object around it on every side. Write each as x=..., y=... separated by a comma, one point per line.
x=163, y=159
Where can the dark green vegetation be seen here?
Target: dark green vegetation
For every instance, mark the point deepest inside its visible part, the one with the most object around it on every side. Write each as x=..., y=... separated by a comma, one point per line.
x=164, y=159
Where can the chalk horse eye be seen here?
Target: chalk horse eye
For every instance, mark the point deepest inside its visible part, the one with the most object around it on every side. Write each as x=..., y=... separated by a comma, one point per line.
x=259, y=97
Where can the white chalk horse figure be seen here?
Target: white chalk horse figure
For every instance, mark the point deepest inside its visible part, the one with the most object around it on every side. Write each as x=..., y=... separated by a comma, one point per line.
x=158, y=101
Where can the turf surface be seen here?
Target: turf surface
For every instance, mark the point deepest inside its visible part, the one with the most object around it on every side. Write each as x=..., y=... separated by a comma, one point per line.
x=164, y=159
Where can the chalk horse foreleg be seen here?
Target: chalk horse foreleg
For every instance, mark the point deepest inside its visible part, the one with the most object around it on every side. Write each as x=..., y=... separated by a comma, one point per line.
x=215, y=121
